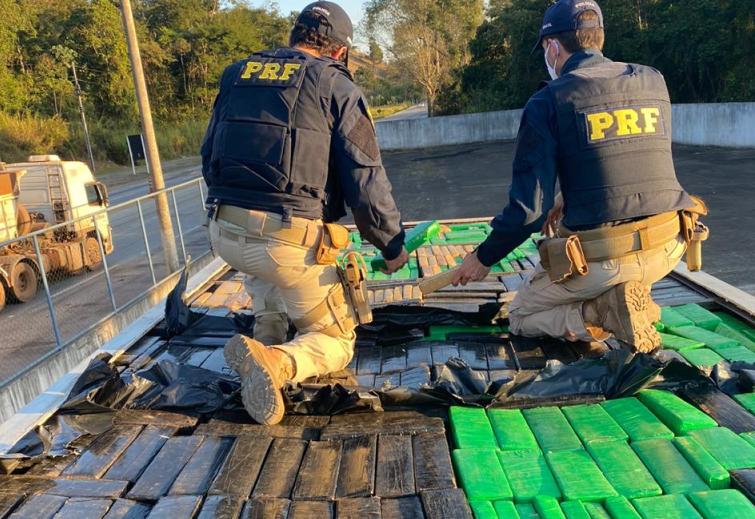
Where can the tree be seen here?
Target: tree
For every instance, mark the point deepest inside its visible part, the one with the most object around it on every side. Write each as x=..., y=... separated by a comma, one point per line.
x=428, y=39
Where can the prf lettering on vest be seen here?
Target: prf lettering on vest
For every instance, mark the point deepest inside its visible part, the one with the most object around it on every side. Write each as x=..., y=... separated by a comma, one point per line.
x=258, y=72
x=623, y=123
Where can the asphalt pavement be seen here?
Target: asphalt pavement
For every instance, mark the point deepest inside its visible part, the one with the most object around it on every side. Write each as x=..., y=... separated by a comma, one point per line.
x=414, y=112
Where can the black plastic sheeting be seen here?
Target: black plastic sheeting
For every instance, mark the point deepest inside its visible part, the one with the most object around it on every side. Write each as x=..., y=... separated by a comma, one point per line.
x=169, y=386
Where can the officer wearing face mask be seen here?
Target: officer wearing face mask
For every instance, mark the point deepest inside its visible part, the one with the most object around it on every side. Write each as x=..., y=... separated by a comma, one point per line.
x=602, y=129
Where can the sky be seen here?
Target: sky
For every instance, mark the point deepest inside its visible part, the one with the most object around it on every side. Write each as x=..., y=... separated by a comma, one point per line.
x=353, y=7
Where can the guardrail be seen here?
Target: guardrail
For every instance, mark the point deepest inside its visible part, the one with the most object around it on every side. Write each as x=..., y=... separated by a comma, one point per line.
x=72, y=305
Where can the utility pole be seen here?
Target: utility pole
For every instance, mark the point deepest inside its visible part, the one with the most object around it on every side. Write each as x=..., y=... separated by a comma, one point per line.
x=157, y=182
x=83, y=116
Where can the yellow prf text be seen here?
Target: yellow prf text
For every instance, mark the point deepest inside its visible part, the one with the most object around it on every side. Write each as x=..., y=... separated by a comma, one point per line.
x=623, y=123
x=269, y=71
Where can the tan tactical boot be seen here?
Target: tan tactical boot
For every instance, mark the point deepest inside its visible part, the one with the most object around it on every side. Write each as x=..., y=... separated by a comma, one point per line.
x=625, y=311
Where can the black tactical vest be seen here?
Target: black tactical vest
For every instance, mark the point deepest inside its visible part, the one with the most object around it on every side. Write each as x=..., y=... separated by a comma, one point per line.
x=614, y=144
x=271, y=147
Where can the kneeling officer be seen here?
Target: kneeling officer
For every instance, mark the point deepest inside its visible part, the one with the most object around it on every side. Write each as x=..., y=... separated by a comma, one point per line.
x=289, y=144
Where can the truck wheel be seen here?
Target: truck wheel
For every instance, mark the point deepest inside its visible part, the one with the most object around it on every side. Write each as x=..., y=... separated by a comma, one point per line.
x=92, y=251
x=23, y=220
x=23, y=281
x=2, y=296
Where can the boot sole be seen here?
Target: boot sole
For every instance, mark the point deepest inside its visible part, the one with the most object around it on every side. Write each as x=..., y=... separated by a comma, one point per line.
x=262, y=399
x=235, y=352
x=635, y=326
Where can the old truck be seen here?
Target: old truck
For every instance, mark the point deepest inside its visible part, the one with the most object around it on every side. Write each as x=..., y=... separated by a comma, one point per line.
x=52, y=199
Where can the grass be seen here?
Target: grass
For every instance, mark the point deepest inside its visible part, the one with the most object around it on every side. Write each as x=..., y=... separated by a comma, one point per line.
x=379, y=112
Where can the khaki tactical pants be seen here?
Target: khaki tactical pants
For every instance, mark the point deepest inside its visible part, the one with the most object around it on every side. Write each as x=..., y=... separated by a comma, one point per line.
x=284, y=279
x=544, y=308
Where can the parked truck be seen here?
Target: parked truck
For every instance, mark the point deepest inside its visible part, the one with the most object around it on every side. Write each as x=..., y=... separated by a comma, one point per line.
x=40, y=194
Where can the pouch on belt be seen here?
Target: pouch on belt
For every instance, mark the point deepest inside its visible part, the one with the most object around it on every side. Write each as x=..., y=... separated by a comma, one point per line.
x=334, y=239
x=694, y=232
x=562, y=258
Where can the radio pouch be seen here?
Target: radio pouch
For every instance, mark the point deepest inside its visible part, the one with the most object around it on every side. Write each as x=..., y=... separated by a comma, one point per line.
x=335, y=238
x=563, y=258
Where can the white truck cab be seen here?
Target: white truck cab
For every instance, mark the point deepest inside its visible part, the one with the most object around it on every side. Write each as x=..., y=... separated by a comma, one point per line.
x=63, y=191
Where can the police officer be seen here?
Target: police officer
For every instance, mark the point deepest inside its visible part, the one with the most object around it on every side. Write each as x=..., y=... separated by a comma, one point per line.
x=602, y=129
x=289, y=144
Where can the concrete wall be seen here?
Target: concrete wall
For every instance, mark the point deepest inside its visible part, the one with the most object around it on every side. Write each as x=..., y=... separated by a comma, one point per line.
x=719, y=124
x=715, y=124
x=454, y=129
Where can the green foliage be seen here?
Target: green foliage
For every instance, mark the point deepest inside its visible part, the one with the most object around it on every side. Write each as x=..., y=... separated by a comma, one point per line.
x=704, y=48
x=185, y=45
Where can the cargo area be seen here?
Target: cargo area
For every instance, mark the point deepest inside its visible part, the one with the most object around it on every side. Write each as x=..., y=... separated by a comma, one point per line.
x=441, y=414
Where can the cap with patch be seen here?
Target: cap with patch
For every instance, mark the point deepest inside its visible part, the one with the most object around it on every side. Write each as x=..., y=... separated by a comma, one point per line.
x=329, y=19
x=563, y=16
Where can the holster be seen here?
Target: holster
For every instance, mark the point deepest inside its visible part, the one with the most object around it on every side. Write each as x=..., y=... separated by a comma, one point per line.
x=353, y=274
x=562, y=258
x=335, y=238
x=694, y=232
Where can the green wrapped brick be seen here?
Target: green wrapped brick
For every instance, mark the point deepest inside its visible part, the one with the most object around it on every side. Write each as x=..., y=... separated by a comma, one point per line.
x=706, y=466
x=551, y=429
x=578, y=476
x=722, y=504
x=732, y=333
x=528, y=475
x=574, y=510
x=439, y=332
x=547, y=507
x=624, y=470
x=699, y=316
x=636, y=419
x=737, y=353
x=620, y=508
x=666, y=507
x=702, y=358
x=596, y=511
x=668, y=467
x=729, y=449
x=511, y=430
x=712, y=340
x=671, y=318
x=674, y=342
x=483, y=510
x=471, y=429
x=749, y=437
x=527, y=511
x=593, y=424
x=505, y=510
x=481, y=475
x=415, y=238
x=677, y=414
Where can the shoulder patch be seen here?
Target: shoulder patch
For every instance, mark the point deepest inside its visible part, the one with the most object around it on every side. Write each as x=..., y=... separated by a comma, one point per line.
x=276, y=72
x=363, y=137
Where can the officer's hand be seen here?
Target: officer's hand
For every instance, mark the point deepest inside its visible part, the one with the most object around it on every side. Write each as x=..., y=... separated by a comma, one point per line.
x=396, y=264
x=554, y=217
x=471, y=270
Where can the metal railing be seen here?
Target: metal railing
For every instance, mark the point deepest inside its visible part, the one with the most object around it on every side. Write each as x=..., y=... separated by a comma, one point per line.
x=125, y=263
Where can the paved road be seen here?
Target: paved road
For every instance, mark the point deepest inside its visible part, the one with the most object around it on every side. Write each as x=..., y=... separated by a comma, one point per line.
x=450, y=182
x=415, y=112
x=82, y=300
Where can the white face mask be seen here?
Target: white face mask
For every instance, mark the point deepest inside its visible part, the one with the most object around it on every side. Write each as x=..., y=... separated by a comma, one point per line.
x=552, y=68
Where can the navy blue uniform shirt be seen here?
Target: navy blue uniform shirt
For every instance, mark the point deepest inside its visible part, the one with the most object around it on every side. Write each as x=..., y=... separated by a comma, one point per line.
x=533, y=184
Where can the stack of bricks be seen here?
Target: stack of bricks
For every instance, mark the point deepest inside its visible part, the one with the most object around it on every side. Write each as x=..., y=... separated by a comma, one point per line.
x=706, y=338
x=650, y=457
x=165, y=465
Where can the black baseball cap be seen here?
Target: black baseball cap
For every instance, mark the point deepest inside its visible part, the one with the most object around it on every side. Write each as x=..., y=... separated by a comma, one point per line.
x=329, y=19
x=563, y=16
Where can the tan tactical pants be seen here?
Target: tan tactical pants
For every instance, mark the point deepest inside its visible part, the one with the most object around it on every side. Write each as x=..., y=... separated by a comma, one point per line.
x=285, y=279
x=543, y=308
